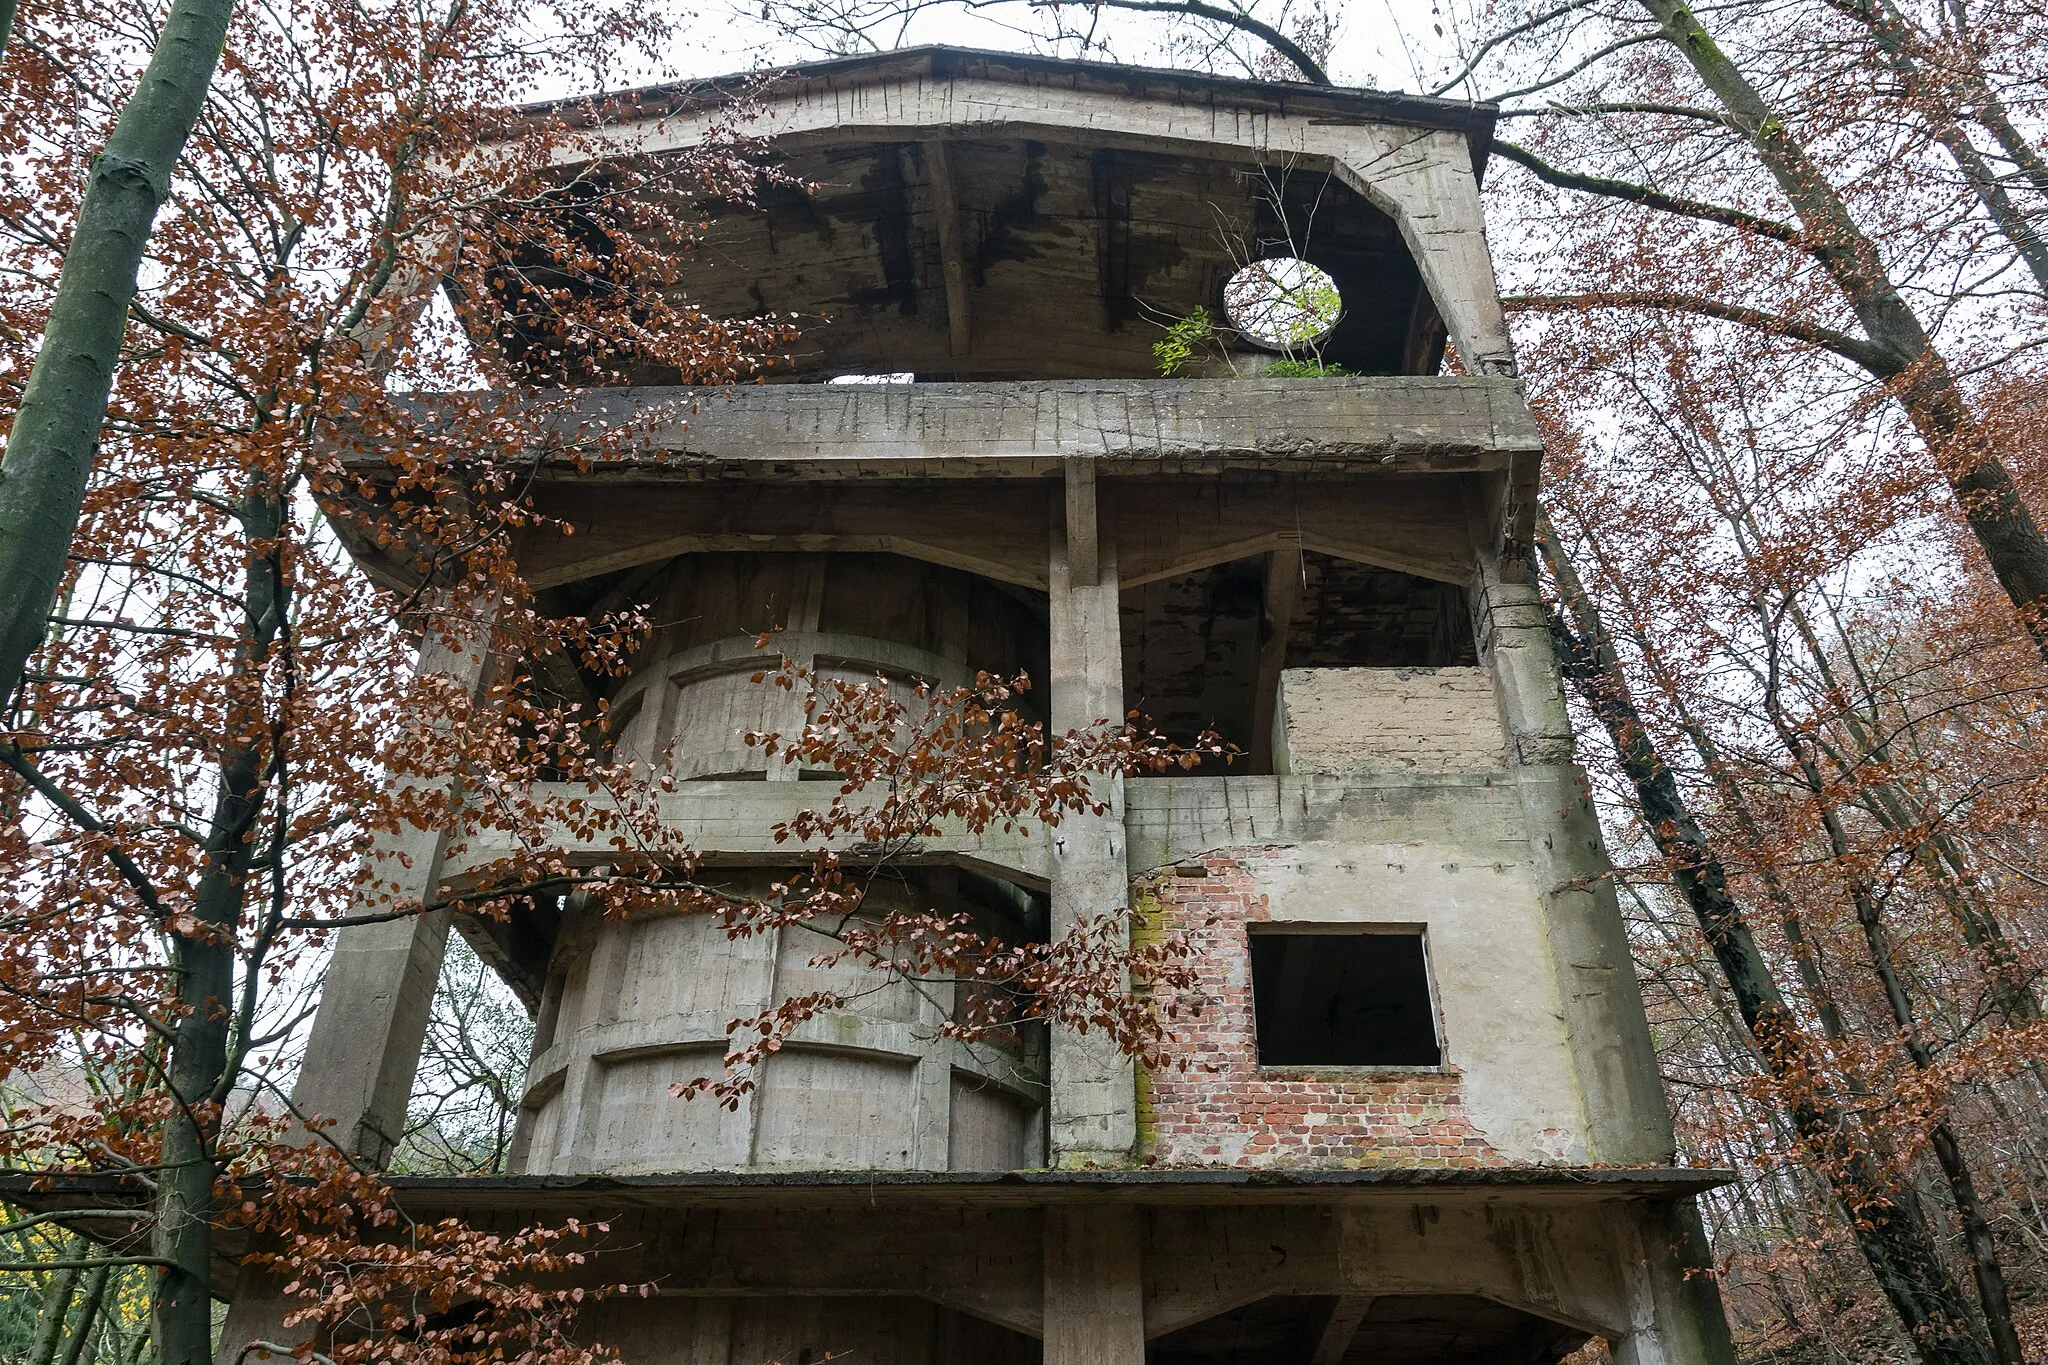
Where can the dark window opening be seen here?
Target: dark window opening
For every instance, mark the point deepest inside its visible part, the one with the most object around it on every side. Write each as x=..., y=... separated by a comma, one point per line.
x=1343, y=999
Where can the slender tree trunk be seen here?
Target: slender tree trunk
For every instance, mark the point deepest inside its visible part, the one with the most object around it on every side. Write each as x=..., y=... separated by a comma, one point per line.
x=1888, y=1222
x=88, y=1318
x=50, y=448
x=1917, y=373
x=1905, y=52
x=203, y=959
x=50, y=1321
x=1992, y=1294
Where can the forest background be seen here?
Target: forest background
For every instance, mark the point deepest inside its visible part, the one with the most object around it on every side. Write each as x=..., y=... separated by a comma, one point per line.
x=1811, y=707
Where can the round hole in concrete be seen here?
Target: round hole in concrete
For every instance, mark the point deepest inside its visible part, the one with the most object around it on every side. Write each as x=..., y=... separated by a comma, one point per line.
x=1283, y=303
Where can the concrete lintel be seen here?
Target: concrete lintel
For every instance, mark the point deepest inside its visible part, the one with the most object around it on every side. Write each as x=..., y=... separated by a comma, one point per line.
x=732, y=824
x=1173, y=819
x=1025, y=430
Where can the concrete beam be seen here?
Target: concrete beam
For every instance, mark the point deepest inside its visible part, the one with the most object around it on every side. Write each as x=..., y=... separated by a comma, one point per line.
x=995, y=531
x=1333, y=1343
x=731, y=824
x=1094, y=1286
x=1424, y=179
x=379, y=988
x=1093, y=1117
x=938, y=160
x=1376, y=424
x=998, y=528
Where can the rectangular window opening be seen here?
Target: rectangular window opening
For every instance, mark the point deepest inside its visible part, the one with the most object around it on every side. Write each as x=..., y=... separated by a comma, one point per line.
x=1343, y=999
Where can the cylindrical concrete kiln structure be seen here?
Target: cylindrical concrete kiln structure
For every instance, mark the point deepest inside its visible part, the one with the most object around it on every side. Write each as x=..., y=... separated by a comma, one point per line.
x=633, y=1005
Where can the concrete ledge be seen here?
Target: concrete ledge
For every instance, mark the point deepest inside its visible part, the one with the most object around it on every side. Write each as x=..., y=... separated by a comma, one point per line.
x=1023, y=430
x=1171, y=819
x=732, y=824
x=438, y=1194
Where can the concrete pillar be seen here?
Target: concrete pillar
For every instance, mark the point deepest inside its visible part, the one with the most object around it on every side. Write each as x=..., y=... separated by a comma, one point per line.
x=1675, y=1317
x=1513, y=637
x=257, y=1314
x=379, y=988
x=1093, y=1111
x=1094, y=1285
x=1627, y=1120
x=1427, y=181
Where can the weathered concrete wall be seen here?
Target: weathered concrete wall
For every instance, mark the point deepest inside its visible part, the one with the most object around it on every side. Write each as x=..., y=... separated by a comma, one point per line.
x=1097, y=1275
x=641, y=1004
x=1338, y=721
x=1506, y=1094
x=1538, y=1006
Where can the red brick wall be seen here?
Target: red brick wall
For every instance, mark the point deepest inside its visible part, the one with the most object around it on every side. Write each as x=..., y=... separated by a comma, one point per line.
x=1219, y=1108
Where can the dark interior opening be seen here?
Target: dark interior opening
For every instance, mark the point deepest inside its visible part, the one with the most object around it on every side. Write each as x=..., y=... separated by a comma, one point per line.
x=1202, y=652
x=1071, y=259
x=1343, y=999
x=1393, y=1329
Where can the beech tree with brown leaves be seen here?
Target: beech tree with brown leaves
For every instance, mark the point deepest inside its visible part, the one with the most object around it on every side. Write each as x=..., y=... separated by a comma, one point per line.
x=224, y=716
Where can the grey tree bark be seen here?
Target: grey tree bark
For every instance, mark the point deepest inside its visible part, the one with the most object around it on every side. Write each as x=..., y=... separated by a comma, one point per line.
x=1889, y=1224
x=1906, y=358
x=50, y=448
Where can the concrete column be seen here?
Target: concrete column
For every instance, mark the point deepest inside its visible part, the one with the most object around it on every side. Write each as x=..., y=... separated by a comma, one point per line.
x=1093, y=1110
x=1627, y=1120
x=1675, y=1317
x=1513, y=636
x=257, y=1314
x=1094, y=1285
x=1435, y=199
x=379, y=988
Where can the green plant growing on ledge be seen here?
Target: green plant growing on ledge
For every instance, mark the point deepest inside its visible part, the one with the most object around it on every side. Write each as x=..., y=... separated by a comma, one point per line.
x=1303, y=369
x=1186, y=338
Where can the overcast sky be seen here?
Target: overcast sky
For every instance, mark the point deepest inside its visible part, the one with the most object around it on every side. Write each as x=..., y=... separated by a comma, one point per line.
x=1374, y=45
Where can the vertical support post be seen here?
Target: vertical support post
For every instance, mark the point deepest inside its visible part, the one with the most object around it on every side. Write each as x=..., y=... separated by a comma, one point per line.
x=1675, y=1311
x=1622, y=1097
x=1094, y=1285
x=1093, y=1113
x=938, y=158
x=1513, y=638
x=1283, y=594
x=1435, y=199
x=379, y=989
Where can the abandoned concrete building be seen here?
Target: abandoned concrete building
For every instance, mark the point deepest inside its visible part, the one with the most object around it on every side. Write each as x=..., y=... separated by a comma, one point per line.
x=1422, y=1120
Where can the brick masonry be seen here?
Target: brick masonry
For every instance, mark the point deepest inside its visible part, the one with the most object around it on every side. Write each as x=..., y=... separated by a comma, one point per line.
x=1217, y=1107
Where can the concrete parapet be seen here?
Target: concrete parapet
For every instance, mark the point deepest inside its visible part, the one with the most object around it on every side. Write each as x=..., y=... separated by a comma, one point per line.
x=1341, y=721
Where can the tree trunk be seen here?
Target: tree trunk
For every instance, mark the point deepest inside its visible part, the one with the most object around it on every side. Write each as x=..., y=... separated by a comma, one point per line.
x=1990, y=1276
x=1918, y=374
x=1904, y=52
x=203, y=959
x=50, y=1321
x=1889, y=1224
x=88, y=1318
x=49, y=450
